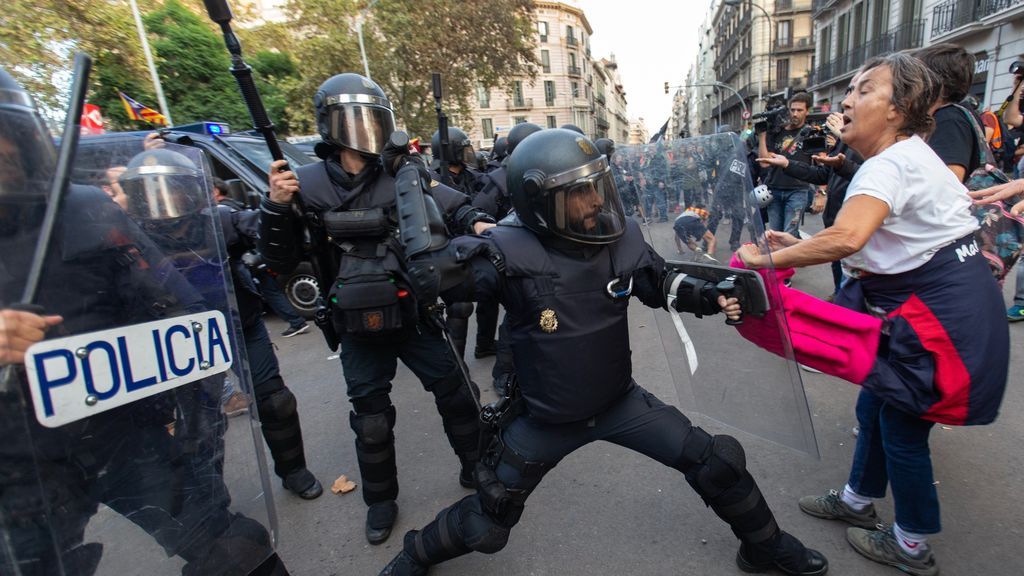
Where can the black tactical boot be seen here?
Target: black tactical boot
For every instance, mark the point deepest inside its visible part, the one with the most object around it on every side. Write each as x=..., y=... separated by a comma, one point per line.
x=304, y=484
x=784, y=553
x=404, y=565
x=379, y=520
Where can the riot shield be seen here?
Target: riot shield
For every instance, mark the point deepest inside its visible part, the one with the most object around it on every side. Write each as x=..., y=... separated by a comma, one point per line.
x=696, y=208
x=117, y=458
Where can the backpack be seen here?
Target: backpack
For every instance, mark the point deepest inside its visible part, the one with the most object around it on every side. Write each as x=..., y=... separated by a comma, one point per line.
x=1000, y=233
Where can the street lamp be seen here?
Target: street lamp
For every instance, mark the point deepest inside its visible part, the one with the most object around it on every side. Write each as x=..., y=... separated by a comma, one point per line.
x=735, y=3
x=359, y=30
x=743, y=104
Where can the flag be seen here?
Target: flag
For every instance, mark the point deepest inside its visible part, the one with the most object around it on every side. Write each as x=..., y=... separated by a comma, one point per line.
x=661, y=133
x=137, y=111
x=92, y=119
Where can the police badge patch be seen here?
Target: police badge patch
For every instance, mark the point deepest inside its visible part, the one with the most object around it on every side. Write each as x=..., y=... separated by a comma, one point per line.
x=548, y=320
x=373, y=321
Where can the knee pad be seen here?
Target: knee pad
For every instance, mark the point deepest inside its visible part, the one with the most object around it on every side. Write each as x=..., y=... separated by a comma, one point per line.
x=276, y=407
x=459, y=310
x=373, y=427
x=712, y=464
x=480, y=531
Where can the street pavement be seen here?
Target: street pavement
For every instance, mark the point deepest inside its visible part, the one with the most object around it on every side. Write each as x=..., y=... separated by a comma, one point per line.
x=605, y=510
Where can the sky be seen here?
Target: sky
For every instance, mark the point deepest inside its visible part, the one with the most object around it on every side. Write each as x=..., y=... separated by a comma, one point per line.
x=654, y=41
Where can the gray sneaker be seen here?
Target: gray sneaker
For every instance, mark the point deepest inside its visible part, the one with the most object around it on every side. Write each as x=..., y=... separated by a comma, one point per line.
x=831, y=507
x=881, y=546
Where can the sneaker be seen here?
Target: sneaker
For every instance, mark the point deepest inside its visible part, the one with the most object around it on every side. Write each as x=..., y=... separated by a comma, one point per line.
x=380, y=518
x=237, y=404
x=807, y=368
x=1015, y=313
x=788, y=282
x=831, y=507
x=881, y=546
x=295, y=330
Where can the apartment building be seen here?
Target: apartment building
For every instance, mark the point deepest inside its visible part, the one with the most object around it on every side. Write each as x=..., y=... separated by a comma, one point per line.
x=562, y=92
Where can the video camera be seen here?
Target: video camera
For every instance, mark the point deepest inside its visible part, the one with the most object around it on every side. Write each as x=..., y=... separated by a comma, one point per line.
x=811, y=138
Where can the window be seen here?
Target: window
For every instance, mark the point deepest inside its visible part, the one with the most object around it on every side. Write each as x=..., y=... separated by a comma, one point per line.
x=519, y=120
x=545, y=60
x=549, y=92
x=487, y=128
x=552, y=122
x=483, y=96
x=784, y=33
x=570, y=37
x=572, y=60
x=880, y=17
x=517, y=93
x=575, y=89
x=542, y=28
x=782, y=72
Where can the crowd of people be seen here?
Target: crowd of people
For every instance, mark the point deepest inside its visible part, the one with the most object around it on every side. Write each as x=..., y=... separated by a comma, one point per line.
x=550, y=229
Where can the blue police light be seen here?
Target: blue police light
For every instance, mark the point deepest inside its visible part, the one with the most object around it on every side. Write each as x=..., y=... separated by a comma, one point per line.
x=214, y=128
x=209, y=128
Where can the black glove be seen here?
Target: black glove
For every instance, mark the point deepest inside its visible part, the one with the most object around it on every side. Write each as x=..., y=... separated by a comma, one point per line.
x=685, y=293
x=396, y=153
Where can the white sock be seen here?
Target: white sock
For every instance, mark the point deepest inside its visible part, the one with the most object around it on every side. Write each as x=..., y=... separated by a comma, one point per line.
x=854, y=500
x=913, y=544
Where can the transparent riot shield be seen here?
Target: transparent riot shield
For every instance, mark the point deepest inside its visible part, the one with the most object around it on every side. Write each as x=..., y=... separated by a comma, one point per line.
x=117, y=458
x=695, y=206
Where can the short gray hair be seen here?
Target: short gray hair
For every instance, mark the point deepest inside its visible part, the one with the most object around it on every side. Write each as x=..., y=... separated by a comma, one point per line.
x=914, y=90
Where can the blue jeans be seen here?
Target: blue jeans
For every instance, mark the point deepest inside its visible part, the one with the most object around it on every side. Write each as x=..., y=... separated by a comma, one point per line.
x=787, y=209
x=655, y=197
x=276, y=299
x=892, y=449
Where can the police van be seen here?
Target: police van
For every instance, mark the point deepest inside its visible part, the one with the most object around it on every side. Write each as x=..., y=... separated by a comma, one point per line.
x=241, y=159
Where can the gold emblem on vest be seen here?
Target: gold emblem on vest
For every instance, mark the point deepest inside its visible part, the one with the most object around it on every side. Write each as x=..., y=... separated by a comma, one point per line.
x=548, y=321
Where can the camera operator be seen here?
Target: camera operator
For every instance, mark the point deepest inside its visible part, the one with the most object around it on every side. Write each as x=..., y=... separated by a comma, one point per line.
x=1013, y=116
x=789, y=194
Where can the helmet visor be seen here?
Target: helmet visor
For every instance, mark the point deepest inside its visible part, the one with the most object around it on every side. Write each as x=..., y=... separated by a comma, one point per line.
x=587, y=210
x=361, y=127
x=161, y=192
x=27, y=156
x=468, y=156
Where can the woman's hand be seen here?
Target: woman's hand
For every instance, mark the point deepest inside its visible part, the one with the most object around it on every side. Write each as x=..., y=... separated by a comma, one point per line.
x=731, y=307
x=1001, y=192
x=779, y=240
x=751, y=256
x=833, y=162
x=774, y=159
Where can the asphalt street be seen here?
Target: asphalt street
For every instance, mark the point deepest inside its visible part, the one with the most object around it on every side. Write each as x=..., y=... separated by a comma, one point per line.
x=605, y=510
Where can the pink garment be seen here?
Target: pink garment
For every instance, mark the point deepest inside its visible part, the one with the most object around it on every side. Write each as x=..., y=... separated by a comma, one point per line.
x=824, y=336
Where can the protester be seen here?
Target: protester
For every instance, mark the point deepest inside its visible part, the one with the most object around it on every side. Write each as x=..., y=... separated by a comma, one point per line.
x=905, y=234
x=954, y=138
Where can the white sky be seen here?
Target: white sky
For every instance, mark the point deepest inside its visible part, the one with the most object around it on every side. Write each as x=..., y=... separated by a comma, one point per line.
x=654, y=41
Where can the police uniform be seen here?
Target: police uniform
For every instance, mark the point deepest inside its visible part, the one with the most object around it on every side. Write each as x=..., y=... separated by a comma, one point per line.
x=102, y=272
x=373, y=309
x=565, y=275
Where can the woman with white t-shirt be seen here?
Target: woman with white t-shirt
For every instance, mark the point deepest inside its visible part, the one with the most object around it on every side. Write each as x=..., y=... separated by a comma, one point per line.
x=906, y=238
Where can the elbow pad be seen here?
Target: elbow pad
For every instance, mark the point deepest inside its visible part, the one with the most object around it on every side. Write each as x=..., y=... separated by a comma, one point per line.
x=279, y=240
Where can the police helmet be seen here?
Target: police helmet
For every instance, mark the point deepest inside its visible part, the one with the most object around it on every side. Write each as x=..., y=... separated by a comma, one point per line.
x=353, y=112
x=460, y=147
x=160, y=185
x=606, y=146
x=572, y=127
x=761, y=196
x=27, y=152
x=518, y=133
x=500, y=149
x=561, y=186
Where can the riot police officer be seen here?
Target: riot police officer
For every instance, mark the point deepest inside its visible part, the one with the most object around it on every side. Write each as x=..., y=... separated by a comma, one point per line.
x=278, y=411
x=565, y=270
x=102, y=273
x=350, y=199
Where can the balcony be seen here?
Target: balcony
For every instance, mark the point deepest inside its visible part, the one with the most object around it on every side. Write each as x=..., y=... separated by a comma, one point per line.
x=954, y=14
x=602, y=123
x=819, y=6
x=906, y=36
x=600, y=98
x=571, y=41
x=794, y=44
x=514, y=104
x=575, y=71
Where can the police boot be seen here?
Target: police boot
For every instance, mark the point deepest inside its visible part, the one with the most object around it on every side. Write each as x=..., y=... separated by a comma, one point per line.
x=784, y=553
x=380, y=518
x=404, y=565
x=279, y=419
x=461, y=421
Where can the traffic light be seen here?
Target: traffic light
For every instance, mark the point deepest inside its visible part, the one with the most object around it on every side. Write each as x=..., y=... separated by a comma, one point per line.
x=666, y=87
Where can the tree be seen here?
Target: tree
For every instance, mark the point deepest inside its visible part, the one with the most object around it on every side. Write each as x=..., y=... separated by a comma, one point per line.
x=470, y=42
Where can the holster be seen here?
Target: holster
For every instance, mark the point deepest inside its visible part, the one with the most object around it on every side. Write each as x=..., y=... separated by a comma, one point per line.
x=322, y=319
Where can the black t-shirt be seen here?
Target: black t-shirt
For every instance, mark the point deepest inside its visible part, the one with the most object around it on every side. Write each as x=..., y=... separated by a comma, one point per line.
x=785, y=142
x=954, y=139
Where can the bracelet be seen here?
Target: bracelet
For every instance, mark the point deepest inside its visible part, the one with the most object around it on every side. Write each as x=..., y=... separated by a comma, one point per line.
x=821, y=193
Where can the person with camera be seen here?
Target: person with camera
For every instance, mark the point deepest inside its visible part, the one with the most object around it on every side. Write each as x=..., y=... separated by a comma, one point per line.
x=834, y=169
x=375, y=315
x=789, y=194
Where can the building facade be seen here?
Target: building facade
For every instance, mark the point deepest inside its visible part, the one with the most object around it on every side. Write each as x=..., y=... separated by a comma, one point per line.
x=563, y=90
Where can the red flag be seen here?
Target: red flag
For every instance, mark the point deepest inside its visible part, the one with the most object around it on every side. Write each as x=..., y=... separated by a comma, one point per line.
x=92, y=120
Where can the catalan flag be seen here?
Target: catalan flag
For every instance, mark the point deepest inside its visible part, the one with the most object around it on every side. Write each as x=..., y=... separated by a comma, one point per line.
x=137, y=111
